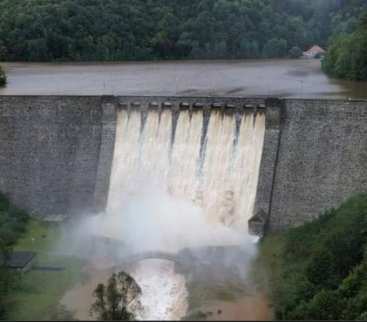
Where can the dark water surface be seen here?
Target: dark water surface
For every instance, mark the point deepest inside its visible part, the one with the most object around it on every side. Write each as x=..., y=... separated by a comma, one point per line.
x=285, y=78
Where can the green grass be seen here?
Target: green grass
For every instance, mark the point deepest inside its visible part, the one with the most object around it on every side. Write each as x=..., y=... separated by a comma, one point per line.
x=38, y=295
x=40, y=237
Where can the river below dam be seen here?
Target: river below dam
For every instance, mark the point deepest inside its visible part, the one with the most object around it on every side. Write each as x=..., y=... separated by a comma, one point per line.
x=284, y=78
x=172, y=291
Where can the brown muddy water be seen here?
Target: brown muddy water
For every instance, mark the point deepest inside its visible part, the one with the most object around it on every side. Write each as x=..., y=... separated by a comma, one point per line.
x=163, y=290
x=208, y=290
x=283, y=78
x=251, y=307
x=79, y=299
x=248, y=308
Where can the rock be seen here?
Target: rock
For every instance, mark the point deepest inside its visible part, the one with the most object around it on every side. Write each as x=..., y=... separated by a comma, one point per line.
x=257, y=223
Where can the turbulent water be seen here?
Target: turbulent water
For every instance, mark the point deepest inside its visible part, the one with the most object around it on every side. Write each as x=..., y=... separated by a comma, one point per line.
x=180, y=179
x=213, y=162
x=164, y=292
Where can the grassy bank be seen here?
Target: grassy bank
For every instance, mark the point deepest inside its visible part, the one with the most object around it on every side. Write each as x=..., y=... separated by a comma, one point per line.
x=319, y=270
x=38, y=293
x=34, y=295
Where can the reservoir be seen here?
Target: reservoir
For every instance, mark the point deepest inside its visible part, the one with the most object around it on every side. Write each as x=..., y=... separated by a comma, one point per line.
x=282, y=78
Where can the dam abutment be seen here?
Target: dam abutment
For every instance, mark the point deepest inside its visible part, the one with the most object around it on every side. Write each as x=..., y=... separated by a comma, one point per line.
x=322, y=159
x=57, y=151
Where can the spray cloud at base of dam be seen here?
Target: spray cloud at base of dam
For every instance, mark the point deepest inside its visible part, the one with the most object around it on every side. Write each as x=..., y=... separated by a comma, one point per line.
x=189, y=170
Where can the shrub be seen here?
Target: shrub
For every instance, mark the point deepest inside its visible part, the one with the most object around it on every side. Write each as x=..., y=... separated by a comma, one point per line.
x=295, y=52
x=3, y=79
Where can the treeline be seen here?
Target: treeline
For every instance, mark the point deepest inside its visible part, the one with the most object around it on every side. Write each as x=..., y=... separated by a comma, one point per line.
x=108, y=30
x=319, y=270
x=12, y=225
x=347, y=54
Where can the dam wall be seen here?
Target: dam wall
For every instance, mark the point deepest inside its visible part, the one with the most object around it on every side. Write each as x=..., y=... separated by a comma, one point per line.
x=52, y=149
x=57, y=152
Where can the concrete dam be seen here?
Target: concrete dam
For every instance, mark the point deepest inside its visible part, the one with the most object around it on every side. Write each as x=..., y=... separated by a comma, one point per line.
x=271, y=162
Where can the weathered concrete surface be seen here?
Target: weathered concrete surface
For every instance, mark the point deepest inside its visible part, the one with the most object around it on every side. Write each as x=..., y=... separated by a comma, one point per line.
x=50, y=152
x=322, y=158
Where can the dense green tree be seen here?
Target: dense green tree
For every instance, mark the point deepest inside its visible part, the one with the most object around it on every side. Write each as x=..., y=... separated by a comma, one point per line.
x=295, y=52
x=347, y=54
x=112, y=301
x=275, y=48
x=74, y=30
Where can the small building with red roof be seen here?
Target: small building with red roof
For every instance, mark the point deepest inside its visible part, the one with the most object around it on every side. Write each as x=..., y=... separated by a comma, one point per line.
x=314, y=52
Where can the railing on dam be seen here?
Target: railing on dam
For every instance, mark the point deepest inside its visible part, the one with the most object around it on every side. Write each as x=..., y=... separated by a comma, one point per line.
x=225, y=104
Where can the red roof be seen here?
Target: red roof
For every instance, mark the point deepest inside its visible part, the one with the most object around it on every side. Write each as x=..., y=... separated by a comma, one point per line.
x=315, y=50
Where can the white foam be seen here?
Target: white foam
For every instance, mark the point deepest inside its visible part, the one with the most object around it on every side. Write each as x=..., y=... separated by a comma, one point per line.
x=164, y=292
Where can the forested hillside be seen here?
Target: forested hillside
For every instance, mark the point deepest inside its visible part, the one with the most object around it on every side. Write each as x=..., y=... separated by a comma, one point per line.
x=347, y=54
x=49, y=30
x=319, y=271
